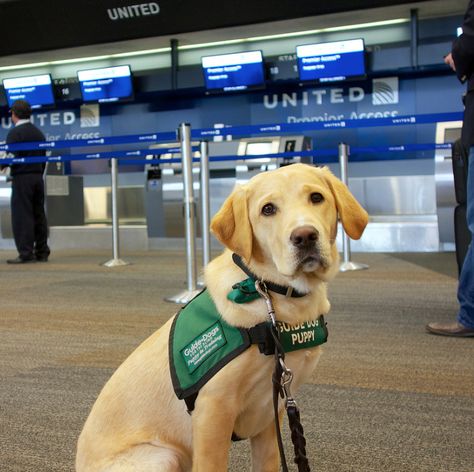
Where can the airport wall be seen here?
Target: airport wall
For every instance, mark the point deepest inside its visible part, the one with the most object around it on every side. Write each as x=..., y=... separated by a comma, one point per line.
x=375, y=97
x=394, y=86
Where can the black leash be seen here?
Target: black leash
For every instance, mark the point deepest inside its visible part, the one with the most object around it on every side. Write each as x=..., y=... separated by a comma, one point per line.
x=282, y=378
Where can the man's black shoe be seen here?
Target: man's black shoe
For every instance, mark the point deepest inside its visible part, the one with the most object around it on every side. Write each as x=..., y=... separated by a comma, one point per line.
x=19, y=260
x=42, y=259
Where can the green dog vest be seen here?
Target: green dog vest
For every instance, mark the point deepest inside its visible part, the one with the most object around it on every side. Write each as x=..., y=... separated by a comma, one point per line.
x=201, y=342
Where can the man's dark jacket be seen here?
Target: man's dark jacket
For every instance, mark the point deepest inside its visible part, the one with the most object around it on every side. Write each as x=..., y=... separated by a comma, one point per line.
x=24, y=133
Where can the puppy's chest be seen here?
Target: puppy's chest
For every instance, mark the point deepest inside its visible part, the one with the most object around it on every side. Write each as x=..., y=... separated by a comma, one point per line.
x=257, y=392
x=301, y=363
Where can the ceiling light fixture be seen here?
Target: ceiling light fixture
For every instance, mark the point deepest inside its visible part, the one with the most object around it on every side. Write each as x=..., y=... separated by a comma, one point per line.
x=206, y=45
x=299, y=33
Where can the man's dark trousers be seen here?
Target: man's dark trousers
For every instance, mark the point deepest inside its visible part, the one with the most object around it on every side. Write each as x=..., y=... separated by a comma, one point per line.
x=30, y=228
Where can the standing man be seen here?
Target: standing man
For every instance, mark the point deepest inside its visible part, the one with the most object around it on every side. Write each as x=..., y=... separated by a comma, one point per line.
x=30, y=228
x=461, y=60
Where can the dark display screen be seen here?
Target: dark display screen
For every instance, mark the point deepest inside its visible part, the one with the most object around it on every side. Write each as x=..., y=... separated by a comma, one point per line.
x=326, y=62
x=37, y=90
x=106, y=85
x=234, y=72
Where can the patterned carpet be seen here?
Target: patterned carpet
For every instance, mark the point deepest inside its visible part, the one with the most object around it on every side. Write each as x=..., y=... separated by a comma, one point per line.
x=386, y=397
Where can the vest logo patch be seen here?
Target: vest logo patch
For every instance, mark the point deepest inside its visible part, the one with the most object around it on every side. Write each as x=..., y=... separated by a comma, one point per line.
x=203, y=346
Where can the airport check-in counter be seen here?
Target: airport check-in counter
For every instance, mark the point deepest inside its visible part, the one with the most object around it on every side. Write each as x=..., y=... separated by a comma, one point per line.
x=64, y=196
x=64, y=201
x=445, y=192
x=410, y=202
x=223, y=175
x=6, y=241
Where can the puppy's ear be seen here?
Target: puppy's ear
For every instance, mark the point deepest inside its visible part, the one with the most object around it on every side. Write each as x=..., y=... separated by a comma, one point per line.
x=353, y=217
x=231, y=224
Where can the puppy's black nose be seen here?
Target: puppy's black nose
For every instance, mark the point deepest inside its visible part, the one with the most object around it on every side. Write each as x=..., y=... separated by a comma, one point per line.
x=304, y=236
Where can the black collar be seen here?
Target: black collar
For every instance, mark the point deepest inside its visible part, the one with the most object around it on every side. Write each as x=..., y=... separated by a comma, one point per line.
x=281, y=289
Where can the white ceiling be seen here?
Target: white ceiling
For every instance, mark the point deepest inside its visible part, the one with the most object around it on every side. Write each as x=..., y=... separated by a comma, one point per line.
x=427, y=9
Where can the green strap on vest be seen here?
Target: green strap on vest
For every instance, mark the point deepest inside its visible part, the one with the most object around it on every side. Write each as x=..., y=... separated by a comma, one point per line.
x=243, y=292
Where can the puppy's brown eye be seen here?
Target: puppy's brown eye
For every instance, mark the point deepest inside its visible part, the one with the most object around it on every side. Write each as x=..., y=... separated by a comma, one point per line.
x=316, y=197
x=268, y=209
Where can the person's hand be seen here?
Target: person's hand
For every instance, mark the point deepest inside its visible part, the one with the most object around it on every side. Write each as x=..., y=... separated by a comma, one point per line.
x=450, y=62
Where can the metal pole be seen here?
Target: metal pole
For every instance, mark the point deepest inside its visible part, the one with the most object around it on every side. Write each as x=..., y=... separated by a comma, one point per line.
x=191, y=291
x=205, y=204
x=174, y=63
x=115, y=261
x=346, y=242
x=205, y=211
x=414, y=37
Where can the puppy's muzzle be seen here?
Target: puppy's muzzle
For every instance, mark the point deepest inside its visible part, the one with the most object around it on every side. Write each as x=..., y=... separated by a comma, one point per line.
x=305, y=241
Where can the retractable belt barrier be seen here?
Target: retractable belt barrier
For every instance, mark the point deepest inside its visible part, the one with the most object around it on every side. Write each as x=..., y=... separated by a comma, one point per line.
x=106, y=141
x=126, y=157
x=206, y=133
x=327, y=125
x=135, y=157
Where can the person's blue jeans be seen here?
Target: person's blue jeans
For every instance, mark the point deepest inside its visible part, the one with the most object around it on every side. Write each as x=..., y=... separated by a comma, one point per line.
x=466, y=278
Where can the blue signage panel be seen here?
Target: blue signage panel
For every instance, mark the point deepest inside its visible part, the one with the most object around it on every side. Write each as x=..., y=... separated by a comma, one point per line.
x=109, y=84
x=331, y=61
x=233, y=72
x=37, y=90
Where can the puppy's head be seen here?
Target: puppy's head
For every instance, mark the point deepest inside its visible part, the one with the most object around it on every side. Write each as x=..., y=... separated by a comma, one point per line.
x=288, y=218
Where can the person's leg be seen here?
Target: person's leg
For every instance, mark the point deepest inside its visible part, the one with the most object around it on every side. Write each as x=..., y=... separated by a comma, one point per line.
x=22, y=216
x=466, y=278
x=464, y=324
x=41, y=225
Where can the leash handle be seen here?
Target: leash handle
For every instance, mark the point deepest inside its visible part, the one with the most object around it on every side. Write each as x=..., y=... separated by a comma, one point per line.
x=298, y=439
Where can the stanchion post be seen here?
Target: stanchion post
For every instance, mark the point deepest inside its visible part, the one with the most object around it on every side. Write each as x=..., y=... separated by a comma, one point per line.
x=205, y=207
x=343, y=151
x=205, y=203
x=184, y=133
x=115, y=261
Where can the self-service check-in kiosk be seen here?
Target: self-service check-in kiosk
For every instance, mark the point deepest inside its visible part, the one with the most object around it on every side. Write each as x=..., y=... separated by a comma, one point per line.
x=154, y=207
x=264, y=146
x=164, y=191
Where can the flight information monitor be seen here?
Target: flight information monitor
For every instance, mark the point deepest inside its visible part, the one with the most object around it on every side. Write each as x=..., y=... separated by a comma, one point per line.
x=37, y=90
x=234, y=72
x=326, y=62
x=109, y=84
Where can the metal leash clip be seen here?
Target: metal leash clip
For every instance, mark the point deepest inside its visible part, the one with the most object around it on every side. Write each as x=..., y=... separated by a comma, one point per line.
x=285, y=382
x=263, y=292
x=286, y=374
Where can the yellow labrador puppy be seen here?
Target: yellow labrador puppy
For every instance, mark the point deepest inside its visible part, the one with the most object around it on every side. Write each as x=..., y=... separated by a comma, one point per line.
x=283, y=226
